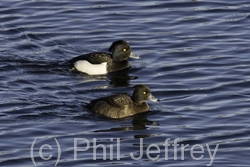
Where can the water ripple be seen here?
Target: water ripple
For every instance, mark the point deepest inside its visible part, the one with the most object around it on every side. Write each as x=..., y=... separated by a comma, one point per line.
x=195, y=58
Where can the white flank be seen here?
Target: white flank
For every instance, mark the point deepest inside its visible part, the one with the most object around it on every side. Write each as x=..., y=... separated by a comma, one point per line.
x=91, y=69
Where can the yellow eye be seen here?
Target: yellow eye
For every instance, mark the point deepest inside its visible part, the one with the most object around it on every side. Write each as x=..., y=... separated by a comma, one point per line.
x=124, y=50
x=144, y=93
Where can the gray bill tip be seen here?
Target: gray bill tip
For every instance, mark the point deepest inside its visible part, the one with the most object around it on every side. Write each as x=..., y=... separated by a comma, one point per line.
x=134, y=56
x=152, y=98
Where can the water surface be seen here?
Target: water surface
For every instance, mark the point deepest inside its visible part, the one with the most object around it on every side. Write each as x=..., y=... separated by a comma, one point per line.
x=195, y=58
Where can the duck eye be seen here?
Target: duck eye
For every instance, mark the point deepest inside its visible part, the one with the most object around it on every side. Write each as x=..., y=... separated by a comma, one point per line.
x=144, y=93
x=124, y=50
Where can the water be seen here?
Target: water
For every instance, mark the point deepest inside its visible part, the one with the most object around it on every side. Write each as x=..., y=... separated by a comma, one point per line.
x=195, y=58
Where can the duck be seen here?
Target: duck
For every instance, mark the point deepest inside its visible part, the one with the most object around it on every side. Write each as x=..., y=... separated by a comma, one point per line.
x=123, y=105
x=101, y=63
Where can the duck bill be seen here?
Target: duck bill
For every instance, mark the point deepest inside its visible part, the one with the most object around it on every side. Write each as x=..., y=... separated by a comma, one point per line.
x=134, y=56
x=152, y=98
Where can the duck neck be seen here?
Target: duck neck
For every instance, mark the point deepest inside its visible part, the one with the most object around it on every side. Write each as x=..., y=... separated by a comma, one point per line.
x=116, y=65
x=136, y=99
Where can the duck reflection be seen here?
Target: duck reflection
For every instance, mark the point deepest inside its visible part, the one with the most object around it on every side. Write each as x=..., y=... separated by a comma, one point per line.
x=139, y=122
x=115, y=79
x=121, y=80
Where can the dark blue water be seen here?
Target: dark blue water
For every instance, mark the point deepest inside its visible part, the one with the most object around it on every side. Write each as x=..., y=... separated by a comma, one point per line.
x=195, y=58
